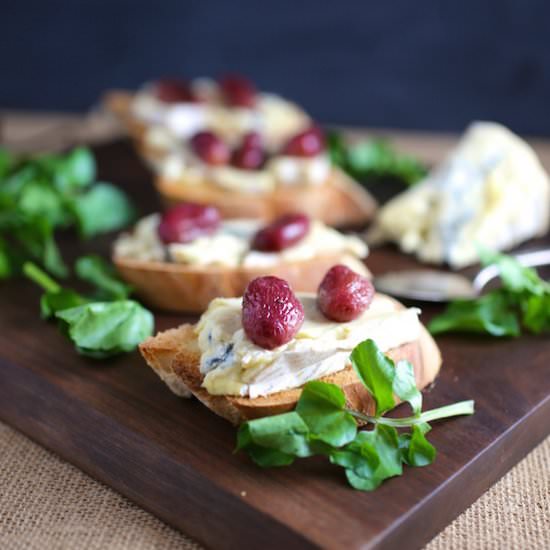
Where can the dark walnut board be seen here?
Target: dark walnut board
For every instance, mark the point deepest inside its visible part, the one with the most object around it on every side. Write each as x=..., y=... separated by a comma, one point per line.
x=119, y=423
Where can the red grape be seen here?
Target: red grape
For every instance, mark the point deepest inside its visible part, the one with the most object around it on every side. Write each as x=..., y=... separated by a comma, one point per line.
x=272, y=314
x=282, y=233
x=188, y=221
x=344, y=294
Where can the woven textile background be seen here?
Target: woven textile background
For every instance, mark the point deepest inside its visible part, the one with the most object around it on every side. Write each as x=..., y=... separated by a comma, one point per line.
x=45, y=503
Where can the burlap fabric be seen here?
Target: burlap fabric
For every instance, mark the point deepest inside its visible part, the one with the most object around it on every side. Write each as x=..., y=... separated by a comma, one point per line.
x=45, y=503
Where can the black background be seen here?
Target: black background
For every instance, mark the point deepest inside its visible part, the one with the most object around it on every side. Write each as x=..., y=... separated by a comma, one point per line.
x=411, y=64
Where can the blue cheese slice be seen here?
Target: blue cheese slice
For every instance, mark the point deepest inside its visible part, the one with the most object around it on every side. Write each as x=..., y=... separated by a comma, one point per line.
x=492, y=191
x=234, y=365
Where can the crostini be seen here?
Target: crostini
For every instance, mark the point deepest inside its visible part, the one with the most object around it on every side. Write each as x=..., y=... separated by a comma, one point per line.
x=183, y=259
x=249, y=357
x=250, y=154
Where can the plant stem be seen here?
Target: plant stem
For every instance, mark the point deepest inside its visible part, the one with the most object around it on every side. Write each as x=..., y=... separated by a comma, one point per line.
x=456, y=409
x=41, y=278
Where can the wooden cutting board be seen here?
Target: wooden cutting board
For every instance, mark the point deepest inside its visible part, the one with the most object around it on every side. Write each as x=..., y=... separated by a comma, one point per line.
x=116, y=421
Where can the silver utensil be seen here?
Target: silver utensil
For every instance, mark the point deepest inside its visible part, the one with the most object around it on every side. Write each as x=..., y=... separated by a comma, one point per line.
x=430, y=285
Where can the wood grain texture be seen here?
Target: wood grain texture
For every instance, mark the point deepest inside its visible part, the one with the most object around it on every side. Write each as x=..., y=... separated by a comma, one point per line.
x=117, y=421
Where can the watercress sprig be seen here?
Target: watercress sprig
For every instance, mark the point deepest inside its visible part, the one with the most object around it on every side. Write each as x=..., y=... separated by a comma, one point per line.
x=372, y=160
x=44, y=193
x=523, y=301
x=98, y=329
x=323, y=424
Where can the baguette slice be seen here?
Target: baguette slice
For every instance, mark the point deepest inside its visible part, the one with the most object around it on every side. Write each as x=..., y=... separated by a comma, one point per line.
x=175, y=356
x=340, y=202
x=189, y=289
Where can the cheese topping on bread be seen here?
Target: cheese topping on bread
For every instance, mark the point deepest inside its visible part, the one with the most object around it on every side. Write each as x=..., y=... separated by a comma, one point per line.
x=234, y=365
x=275, y=117
x=491, y=191
x=281, y=170
x=169, y=126
x=230, y=246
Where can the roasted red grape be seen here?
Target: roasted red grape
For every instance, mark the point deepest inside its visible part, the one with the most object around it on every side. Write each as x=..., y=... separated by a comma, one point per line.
x=250, y=154
x=173, y=90
x=238, y=91
x=282, y=233
x=272, y=314
x=210, y=148
x=188, y=221
x=344, y=294
x=308, y=143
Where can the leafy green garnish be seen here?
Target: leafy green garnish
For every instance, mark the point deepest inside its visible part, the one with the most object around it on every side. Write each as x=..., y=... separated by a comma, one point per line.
x=55, y=297
x=523, y=301
x=97, y=328
x=42, y=194
x=374, y=159
x=323, y=425
x=100, y=209
x=383, y=379
x=95, y=270
x=102, y=329
x=321, y=407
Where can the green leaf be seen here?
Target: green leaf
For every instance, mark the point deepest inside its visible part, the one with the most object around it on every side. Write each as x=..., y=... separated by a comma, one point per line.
x=492, y=314
x=37, y=198
x=514, y=276
x=6, y=162
x=359, y=455
x=95, y=270
x=415, y=448
x=337, y=149
x=263, y=456
x=377, y=372
x=101, y=329
x=404, y=386
x=16, y=181
x=421, y=451
x=36, y=238
x=74, y=171
x=385, y=441
x=51, y=257
x=371, y=458
x=536, y=313
x=363, y=483
x=55, y=297
x=102, y=208
x=6, y=261
x=286, y=432
x=373, y=159
x=52, y=302
x=322, y=408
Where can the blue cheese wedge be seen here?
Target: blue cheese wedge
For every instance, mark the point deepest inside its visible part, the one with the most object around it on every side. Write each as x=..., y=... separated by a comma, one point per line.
x=491, y=191
x=234, y=365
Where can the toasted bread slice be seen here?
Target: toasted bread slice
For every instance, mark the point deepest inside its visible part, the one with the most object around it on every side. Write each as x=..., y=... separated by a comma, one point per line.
x=340, y=202
x=189, y=289
x=175, y=356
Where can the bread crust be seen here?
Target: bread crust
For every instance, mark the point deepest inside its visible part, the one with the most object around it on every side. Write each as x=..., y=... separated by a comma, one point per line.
x=340, y=201
x=189, y=289
x=181, y=356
